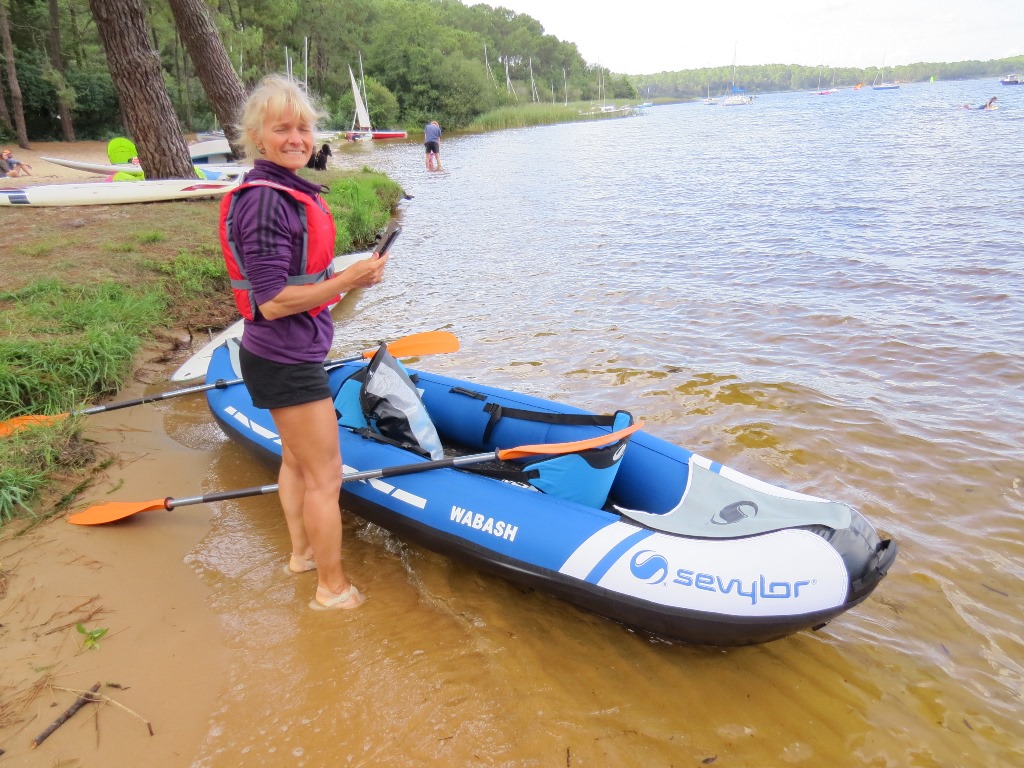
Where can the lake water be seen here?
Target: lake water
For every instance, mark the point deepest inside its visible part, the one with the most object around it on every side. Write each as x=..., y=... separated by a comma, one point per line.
x=825, y=292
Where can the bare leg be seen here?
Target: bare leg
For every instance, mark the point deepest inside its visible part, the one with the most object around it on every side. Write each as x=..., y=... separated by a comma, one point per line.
x=292, y=491
x=310, y=484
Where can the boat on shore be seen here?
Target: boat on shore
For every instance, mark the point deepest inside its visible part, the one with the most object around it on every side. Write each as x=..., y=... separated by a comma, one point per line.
x=211, y=171
x=658, y=538
x=113, y=193
x=362, y=129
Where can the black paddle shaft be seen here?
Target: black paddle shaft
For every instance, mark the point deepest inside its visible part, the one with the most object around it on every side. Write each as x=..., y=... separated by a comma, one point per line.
x=367, y=474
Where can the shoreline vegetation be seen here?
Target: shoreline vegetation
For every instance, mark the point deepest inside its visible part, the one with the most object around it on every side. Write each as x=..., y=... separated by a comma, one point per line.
x=88, y=289
x=529, y=115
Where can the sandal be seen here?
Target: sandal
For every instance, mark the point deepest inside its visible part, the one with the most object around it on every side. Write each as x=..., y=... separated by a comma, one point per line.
x=336, y=602
x=299, y=565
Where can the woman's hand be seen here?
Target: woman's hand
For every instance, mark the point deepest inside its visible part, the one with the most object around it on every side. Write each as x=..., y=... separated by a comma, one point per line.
x=301, y=298
x=365, y=273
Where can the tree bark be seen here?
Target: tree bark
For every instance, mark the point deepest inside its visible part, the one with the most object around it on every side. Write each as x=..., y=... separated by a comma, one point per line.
x=138, y=81
x=17, y=105
x=67, y=125
x=5, y=114
x=212, y=65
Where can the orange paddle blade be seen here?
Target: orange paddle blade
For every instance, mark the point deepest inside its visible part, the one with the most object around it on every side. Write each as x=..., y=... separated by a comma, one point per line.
x=420, y=344
x=11, y=426
x=114, y=510
x=550, y=449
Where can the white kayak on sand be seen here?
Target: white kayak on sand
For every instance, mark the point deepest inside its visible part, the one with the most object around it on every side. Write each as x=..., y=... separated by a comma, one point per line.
x=230, y=170
x=195, y=367
x=114, y=192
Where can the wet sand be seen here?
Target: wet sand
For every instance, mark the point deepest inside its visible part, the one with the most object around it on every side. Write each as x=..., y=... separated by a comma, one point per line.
x=162, y=656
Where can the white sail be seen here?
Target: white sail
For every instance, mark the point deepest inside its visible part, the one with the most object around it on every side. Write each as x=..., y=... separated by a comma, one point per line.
x=362, y=117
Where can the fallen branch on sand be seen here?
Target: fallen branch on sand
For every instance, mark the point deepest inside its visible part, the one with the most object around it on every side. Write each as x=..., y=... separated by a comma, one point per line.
x=85, y=697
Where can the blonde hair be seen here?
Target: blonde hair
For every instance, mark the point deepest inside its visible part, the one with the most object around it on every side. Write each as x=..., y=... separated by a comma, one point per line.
x=275, y=95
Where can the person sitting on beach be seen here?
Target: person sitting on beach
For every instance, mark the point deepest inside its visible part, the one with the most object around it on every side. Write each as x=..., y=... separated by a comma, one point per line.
x=14, y=167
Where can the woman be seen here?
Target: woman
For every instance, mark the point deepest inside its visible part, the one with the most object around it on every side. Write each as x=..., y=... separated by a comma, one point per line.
x=277, y=235
x=12, y=167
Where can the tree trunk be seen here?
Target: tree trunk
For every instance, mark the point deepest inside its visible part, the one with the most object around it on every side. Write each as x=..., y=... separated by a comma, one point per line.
x=67, y=125
x=206, y=49
x=185, y=89
x=5, y=114
x=138, y=81
x=76, y=37
x=17, y=106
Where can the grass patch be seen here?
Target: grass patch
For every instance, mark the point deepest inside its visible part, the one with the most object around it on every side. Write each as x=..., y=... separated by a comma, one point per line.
x=69, y=340
x=119, y=247
x=537, y=114
x=148, y=238
x=361, y=206
x=67, y=343
x=27, y=465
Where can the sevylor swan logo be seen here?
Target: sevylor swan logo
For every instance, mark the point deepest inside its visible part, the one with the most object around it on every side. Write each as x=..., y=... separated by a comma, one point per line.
x=735, y=512
x=649, y=566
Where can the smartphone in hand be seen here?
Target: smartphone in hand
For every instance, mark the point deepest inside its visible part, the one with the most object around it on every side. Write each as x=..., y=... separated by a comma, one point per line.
x=386, y=240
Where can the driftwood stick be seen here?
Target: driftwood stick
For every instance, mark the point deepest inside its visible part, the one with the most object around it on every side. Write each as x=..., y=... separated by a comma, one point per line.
x=104, y=699
x=80, y=702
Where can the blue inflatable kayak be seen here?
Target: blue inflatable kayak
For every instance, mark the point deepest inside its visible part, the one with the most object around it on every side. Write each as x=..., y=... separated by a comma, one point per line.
x=681, y=546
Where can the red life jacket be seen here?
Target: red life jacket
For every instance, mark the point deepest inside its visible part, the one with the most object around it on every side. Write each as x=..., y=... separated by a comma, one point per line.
x=317, y=247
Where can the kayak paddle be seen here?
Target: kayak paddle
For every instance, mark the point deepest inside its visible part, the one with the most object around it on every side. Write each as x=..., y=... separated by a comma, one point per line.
x=414, y=345
x=118, y=510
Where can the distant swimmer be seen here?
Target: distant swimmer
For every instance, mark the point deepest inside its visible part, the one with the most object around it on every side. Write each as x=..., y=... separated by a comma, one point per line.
x=990, y=104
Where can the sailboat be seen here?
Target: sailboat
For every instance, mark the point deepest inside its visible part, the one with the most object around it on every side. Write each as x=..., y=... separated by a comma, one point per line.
x=882, y=86
x=361, y=129
x=738, y=96
x=709, y=100
x=832, y=89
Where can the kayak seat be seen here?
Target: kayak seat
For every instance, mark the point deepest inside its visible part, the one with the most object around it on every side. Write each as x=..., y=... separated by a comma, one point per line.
x=585, y=477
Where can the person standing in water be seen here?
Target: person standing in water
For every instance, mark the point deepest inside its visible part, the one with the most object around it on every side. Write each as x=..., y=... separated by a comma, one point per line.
x=277, y=236
x=432, y=144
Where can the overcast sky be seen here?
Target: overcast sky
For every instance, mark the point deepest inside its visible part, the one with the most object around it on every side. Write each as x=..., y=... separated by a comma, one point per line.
x=642, y=37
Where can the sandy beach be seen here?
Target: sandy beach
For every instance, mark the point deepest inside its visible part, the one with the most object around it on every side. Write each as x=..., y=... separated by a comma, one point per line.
x=159, y=662
x=161, y=659
x=45, y=172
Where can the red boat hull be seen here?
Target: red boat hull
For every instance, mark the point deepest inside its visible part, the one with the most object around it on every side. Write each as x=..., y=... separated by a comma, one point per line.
x=377, y=135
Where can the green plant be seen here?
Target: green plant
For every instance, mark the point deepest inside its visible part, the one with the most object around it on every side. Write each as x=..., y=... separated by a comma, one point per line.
x=150, y=237
x=91, y=637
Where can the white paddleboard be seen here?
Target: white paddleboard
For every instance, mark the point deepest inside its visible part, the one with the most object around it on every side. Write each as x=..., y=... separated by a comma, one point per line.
x=114, y=192
x=229, y=170
x=195, y=367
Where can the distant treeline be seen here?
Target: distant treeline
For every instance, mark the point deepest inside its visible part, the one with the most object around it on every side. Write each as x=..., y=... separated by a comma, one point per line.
x=773, y=78
x=423, y=59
